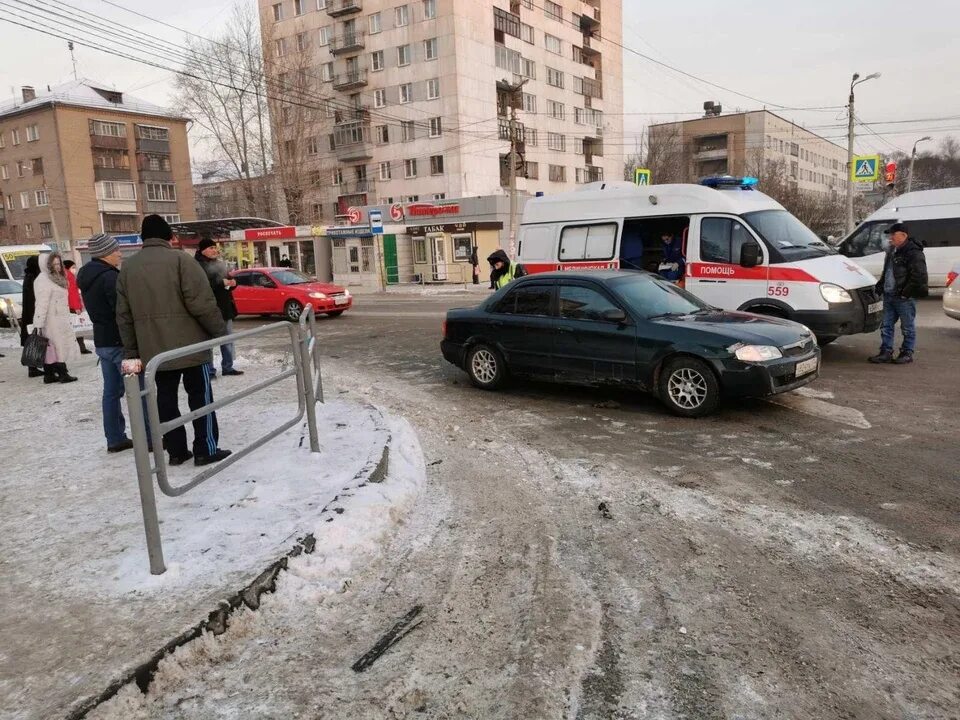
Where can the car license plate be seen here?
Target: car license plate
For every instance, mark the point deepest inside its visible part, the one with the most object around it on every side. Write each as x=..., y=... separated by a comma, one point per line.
x=806, y=367
x=874, y=308
x=340, y=301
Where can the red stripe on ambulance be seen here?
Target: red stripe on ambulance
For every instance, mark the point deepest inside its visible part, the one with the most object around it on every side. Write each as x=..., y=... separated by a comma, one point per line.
x=723, y=271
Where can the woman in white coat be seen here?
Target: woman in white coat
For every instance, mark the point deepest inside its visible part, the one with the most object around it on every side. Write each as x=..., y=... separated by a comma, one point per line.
x=52, y=319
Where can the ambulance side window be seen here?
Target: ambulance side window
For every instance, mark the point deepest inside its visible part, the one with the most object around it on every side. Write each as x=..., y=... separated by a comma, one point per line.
x=721, y=240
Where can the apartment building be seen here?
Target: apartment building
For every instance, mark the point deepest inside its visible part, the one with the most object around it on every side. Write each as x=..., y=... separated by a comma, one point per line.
x=83, y=158
x=398, y=101
x=236, y=198
x=753, y=143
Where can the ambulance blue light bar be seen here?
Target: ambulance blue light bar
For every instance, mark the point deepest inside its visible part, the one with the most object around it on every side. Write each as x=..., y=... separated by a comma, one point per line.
x=729, y=182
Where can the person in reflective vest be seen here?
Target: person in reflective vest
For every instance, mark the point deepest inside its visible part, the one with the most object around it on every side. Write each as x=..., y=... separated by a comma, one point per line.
x=503, y=269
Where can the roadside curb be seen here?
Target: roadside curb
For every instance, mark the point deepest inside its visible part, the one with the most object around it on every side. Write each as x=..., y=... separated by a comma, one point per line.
x=217, y=621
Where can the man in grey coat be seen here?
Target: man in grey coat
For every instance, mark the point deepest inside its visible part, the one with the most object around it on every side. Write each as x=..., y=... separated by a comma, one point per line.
x=164, y=302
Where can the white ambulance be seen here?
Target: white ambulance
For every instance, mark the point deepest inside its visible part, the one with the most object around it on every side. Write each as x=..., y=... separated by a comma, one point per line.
x=742, y=249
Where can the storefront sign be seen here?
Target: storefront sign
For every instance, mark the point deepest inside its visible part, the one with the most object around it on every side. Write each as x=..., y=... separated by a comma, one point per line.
x=421, y=230
x=274, y=233
x=354, y=215
x=432, y=210
x=396, y=212
x=351, y=231
x=127, y=239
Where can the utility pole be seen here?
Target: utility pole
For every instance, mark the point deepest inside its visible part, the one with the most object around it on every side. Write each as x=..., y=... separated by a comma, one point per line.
x=73, y=58
x=854, y=81
x=513, y=92
x=913, y=157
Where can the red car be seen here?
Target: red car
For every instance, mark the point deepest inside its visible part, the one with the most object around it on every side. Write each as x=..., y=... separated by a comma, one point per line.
x=283, y=291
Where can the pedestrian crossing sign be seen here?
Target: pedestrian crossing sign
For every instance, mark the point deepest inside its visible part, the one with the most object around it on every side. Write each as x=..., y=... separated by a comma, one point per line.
x=865, y=168
x=641, y=176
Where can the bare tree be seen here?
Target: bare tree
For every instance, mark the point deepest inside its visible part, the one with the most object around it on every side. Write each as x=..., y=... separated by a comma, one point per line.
x=664, y=155
x=224, y=91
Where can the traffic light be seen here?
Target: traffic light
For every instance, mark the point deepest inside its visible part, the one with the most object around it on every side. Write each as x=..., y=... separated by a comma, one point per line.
x=890, y=173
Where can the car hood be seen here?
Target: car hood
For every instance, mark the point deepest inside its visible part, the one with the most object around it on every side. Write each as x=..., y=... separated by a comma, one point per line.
x=838, y=270
x=741, y=327
x=325, y=288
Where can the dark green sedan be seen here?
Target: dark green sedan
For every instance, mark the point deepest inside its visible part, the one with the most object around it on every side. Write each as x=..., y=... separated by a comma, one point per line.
x=633, y=329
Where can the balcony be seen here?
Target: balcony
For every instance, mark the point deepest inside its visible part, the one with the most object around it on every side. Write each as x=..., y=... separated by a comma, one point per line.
x=339, y=8
x=592, y=88
x=356, y=187
x=354, y=151
x=351, y=141
x=348, y=42
x=116, y=196
x=108, y=142
x=347, y=117
x=155, y=176
x=108, y=173
x=157, y=147
x=590, y=47
x=592, y=174
x=592, y=146
x=503, y=131
x=590, y=19
x=350, y=80
x=710, y=154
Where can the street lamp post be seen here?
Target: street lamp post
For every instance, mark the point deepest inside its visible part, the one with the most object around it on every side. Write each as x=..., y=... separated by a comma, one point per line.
x=913, y=157
x=854, y=81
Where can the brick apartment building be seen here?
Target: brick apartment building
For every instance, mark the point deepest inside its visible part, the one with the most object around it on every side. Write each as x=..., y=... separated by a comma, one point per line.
x=411, y=104
x=82, y=158
x=753, y=143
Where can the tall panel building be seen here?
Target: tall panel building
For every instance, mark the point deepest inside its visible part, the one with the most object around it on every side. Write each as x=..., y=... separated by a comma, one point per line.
x=380, y=101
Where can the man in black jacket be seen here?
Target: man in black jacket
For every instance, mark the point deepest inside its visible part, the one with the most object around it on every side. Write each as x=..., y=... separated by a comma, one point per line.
x=208, y=255
x=97, y=281
x=28, y=304
x=904, y=279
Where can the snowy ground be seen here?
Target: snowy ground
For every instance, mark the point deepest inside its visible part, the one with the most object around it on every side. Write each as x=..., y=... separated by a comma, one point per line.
x=79, y=607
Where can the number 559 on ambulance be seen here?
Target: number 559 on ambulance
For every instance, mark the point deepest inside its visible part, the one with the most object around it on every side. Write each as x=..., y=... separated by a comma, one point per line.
x=741, y=249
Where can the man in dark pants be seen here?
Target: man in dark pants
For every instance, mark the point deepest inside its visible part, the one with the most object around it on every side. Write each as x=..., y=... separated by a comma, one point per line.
x=208, y=255
x=164, y=302
x=97, y=283
x=904, y=279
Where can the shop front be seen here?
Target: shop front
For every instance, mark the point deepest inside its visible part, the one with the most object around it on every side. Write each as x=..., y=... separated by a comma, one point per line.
x=444, y=253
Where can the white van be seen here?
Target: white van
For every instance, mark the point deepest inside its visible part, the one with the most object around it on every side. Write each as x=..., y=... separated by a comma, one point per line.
x=932, y=217
x=743, y=250
x=13, y=258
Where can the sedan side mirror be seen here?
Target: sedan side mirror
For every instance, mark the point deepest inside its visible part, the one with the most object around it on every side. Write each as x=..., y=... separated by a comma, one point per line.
x=614, y=315
x=750, y=254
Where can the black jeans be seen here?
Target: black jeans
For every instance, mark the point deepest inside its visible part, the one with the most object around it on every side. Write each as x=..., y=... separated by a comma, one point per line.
x=196, y=381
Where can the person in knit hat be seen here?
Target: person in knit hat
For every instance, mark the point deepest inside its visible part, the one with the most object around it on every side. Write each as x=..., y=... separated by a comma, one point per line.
x=164, y=302
x=97, y=282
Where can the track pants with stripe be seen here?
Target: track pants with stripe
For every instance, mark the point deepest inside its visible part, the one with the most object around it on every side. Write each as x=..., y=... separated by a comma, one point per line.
x=196, y=381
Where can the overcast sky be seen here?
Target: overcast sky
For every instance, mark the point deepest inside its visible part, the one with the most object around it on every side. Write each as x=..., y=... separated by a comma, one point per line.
x=797, y=55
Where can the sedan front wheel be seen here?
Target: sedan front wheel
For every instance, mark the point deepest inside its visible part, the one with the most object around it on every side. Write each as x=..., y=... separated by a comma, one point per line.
x=689, y=388
x=292, y=310
x=486, y=367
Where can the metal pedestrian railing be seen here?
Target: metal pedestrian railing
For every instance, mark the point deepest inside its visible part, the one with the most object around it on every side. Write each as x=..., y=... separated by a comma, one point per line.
x=305, y=350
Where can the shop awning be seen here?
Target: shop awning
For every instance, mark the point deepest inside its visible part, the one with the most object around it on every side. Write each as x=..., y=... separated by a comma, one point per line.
x=189, y=233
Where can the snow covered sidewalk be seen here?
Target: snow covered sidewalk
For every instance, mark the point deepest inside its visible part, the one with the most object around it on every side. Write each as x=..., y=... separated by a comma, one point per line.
x=79, y=609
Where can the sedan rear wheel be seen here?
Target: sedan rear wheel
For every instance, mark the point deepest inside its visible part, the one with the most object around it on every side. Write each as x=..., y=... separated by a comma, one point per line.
x=292, y=310
x=689, y=388
x=486, y=367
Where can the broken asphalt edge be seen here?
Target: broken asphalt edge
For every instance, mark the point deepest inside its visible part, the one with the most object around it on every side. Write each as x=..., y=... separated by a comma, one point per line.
x=218, y=620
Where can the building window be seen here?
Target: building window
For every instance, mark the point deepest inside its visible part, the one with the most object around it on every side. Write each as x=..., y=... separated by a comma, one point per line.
x=379, y=98
x=558, y=173
x=321, y=4
x=383, y=134
x=554, y=77
x=373, y=22
x=326, y=72
x=3, y=141
x=303, y=42
x=436, y=127
x=532, y=171
x=46, y=229
x=110, y=129
x=11, y=203
x=174, y=218
x=552, y=44
x=406, y=93
x=556, y=141
x=433, y=89
x=429, y=9
x=555, y=110
x=403, y=55
x=530, y=136
x=324, y=36
x=385, y=171
x=528, y=68
x=506, y=22
x=312, y=146
x=430, y=49
x=407, y=131
x=507, y=59
x=298, y=7
x=436, y=164
x=410, y=168
x=40, y=198
x=401, y=16
x=15, y=136
x=21, y=168
x=529, y=103
x=33, y=133
x=161, y=192
x=28, y=229
x=526, y=33
x=278, y=12
x=37, y=166
x=107, y=190
x=376, y=61
x=25, y=199
x=439, y=196
x=552, y=10
x=420, y=250
x=4, y=172
x=578, y=147
x=280, y=47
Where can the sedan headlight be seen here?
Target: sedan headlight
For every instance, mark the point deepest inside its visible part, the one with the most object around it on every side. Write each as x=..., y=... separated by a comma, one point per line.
x=756, y=353
x=318, y=295
x=834, y=293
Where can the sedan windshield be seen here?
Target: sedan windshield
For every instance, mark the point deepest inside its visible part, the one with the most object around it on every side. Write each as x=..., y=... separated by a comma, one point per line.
x=291, y=277
x=793, y=239
x=10, y=287
x=652, y=297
